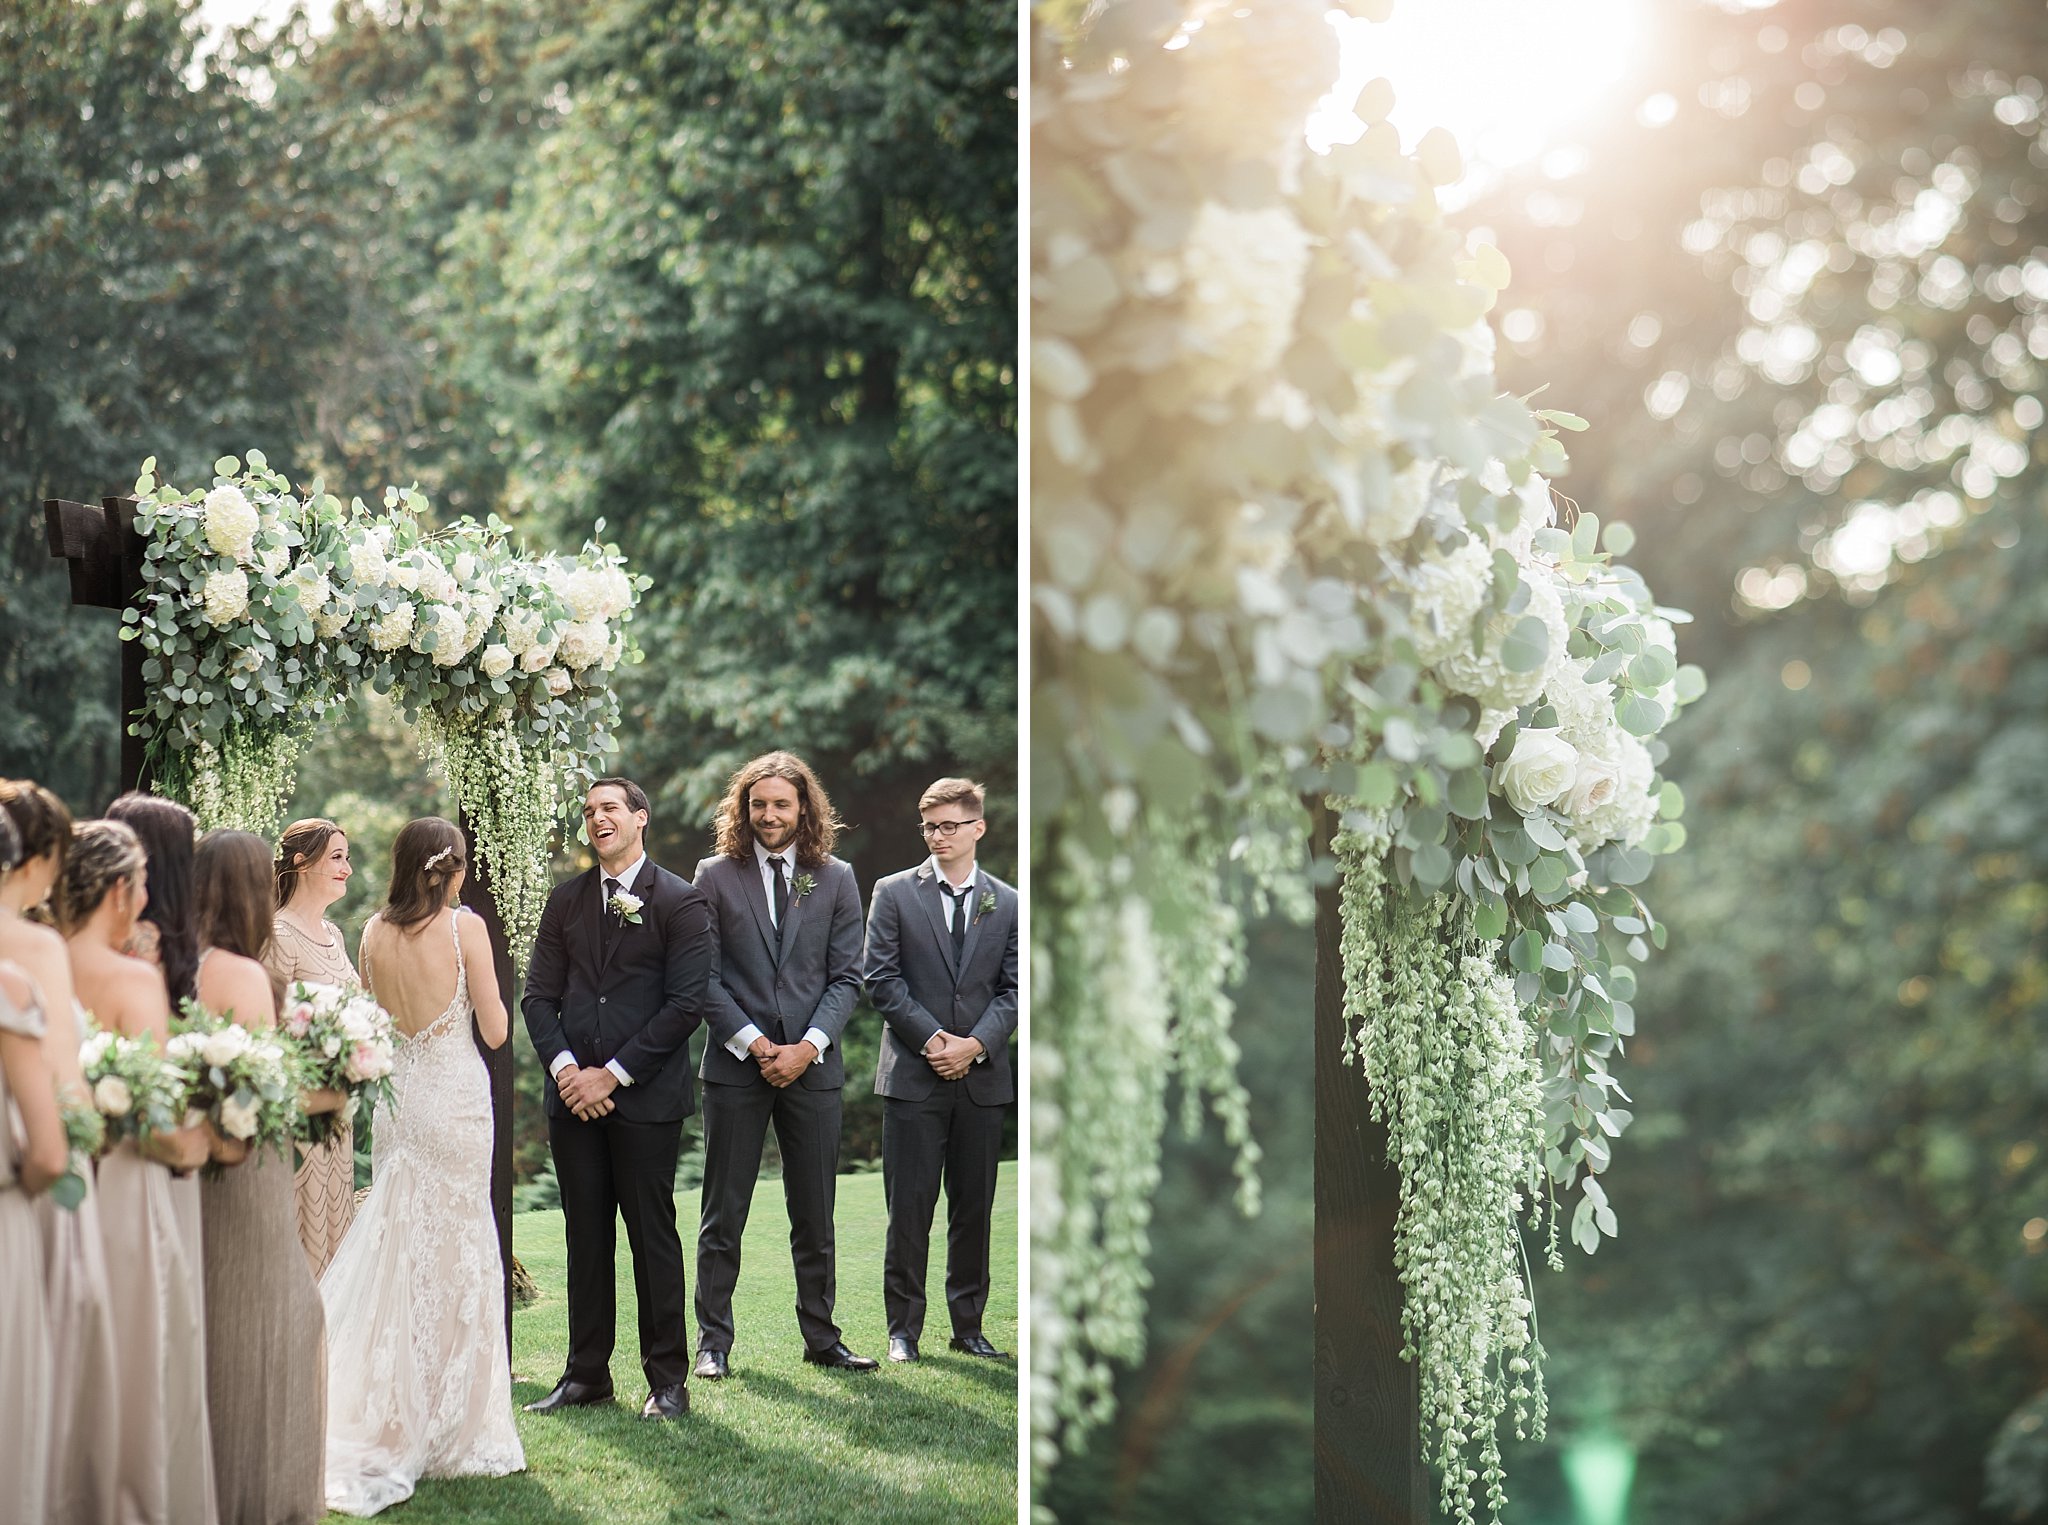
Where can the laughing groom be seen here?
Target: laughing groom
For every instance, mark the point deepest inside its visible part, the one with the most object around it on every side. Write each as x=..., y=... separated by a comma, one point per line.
x=615, y=988
x=785, y=980
x=942, y=970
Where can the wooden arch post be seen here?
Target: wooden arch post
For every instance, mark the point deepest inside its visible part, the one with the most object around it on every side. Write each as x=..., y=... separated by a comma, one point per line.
x=1368, y=1403
x=103, y=551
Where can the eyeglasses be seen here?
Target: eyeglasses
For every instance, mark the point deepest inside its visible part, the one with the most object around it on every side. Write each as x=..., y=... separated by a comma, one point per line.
x=945, y=828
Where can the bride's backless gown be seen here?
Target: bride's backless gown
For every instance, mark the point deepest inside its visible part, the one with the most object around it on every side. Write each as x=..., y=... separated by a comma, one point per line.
x=418, y=1380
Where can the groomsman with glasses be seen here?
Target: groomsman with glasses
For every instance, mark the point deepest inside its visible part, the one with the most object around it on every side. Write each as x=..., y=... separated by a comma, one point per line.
x=942, y=970
x=785, y=981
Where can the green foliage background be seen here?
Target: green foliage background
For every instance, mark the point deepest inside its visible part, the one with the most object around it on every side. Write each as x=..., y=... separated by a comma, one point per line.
x=1826, y=1305
x=737, y=278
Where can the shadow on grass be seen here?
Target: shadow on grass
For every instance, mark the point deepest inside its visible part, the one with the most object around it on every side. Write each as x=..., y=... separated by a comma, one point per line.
x=999, y=1376
x=869, y=1411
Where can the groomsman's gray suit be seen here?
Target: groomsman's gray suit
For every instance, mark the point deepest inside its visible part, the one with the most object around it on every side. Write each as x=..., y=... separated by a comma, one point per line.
x=798, y=980
x=933, y=1129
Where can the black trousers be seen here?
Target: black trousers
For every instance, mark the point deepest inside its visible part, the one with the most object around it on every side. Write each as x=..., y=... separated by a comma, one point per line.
x=611, y=1169
x=736, y=1120
x=947, y=1137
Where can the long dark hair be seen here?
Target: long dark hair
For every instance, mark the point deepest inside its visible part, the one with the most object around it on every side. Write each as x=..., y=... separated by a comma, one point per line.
x=231, y=893
x=418, y=893
x=302, y=845
x=166, y=828
x=816, y=831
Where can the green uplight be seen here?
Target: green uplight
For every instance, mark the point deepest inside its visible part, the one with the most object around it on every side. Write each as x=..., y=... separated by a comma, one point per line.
x=1600, y=1467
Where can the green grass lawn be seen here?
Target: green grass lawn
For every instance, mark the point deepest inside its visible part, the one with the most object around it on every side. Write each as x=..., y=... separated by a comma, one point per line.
x=779, y=1440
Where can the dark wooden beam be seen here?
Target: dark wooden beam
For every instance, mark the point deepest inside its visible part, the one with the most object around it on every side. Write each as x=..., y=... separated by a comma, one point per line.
x=478, y=896
x=103, y=551
x=1369, y=1468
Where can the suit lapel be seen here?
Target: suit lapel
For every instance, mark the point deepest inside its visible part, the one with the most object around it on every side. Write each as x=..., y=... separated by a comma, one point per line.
x=594, y=918
x=756, y=894
x=931, y=896
x=789, y=924
x=974, y=921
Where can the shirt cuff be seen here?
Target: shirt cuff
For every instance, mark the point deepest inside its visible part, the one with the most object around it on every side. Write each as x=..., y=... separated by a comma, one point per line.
x=738, y=1044
x=817, y=1039
x=561, y=1062
x=623, y=1078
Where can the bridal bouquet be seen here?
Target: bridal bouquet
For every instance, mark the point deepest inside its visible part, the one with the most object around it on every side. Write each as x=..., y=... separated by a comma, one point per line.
x=346, y=1043
x=136, y=1088
x=246, y=1083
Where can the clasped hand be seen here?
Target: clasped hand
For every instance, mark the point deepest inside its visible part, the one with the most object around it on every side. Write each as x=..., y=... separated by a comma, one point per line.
x=587, y=1091
x=782, y=1063
x=952, y=1056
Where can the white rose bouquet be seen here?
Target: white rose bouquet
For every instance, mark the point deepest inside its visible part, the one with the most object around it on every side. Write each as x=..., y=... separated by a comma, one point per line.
x=246, y=1082
x=345, y=1042
x=136, y=1088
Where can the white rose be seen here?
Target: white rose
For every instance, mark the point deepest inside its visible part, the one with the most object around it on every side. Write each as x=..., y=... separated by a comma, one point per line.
x=112, y=1096
x=403, y=576
x=585, y=593
x=185, y=1046
x=1593, y=788
x=465, y=566
x=497, y=661
x=231, y=522
x=583, y=644
x=1538, y=771
x=558, y=682
x=1628, y=810
x=366, y=561
x=1241, y=282
x=226, y=596
x=349, y=1108
x=331, y=1045
x=224, y=1047
x=393, y=629
x=437, y=583
x=94, y=1049
x=539, y=656
x=238, y=1118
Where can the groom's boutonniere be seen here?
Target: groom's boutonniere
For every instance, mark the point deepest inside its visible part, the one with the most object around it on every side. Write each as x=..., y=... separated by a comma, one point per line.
x=628, y=907
x=803, y=884
x=987, y=906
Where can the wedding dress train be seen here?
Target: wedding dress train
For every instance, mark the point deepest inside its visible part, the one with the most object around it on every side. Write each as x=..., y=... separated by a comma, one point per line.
x=418, y=1380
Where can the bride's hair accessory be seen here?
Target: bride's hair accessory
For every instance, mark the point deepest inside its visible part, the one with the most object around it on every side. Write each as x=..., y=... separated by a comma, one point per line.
x=435, y=862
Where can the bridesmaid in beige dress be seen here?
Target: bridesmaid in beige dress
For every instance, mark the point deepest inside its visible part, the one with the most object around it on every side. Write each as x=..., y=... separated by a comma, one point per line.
x=266, y=1351
x=165, y=1465
x=82, y=1443
x=312, y=872
x=26, y=1088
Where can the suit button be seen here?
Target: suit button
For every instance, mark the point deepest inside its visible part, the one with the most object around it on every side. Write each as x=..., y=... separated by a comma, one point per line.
x=600, y=1000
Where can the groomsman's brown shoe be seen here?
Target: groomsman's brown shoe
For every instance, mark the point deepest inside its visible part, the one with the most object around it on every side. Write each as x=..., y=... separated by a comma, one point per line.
x=670, y=1402
x=976, y=1344
x=711, y=1366
x=843, y=1359
x=568, y=1394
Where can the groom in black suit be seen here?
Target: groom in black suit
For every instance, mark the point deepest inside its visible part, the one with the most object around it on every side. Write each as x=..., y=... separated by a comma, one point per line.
x=616, y=987
x=786, y=980
x=942, y=971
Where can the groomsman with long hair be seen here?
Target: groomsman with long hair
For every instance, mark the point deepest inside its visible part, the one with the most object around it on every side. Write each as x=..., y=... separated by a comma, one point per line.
x=787, y=976
x=942, y=970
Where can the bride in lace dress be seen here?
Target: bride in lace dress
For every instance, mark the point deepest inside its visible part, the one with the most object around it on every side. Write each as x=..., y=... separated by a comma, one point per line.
x=418, y=1380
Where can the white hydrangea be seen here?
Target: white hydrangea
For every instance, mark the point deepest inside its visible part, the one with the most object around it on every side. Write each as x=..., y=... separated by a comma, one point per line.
x=403, y=575
x=226, y=596
x=522, y=630
x=1483, y=675
x=275, y=560
x=1583, y=709
x=1241, y=284
x=310, y=583
x=393, y=628
x=583, y=643
x=585, y=593
x=366, y=561
x=437, y=582
x=496, y=661
x=1393, y=519
x=614, y=651
x=1446, y=592
x=465, y=567
x=231, y=522
x=450, y=631
x=1537, y=512
x=618, y=593
x=334, y=618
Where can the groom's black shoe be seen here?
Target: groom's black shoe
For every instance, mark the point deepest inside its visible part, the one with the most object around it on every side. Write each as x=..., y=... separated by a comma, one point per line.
x=711, y=1366
x=902, y=1349
x=976, y=1344
x=568, y=1394
x=842, y=1358
x=667, y=1403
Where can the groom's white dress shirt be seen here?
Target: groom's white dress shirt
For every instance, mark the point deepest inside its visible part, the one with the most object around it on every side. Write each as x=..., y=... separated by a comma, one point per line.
x=632, y=872
x=742, y=1040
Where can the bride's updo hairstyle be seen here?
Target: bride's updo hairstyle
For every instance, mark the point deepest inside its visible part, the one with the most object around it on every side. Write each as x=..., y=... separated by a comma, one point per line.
x=425, y=858
x=302, y=845
x=103, y=853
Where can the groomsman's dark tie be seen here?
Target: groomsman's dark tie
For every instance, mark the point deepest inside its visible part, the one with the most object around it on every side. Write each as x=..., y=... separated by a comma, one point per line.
x=781, y=894
x=612, y=918
x=959, y=917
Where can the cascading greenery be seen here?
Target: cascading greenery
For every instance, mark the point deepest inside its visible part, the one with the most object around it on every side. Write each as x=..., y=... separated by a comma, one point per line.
x=263, y=609
x=1291, y=542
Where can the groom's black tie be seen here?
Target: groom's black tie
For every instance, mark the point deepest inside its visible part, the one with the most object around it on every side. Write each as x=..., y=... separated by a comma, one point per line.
x=781, y=894
x=959, y=917
x=612, y=918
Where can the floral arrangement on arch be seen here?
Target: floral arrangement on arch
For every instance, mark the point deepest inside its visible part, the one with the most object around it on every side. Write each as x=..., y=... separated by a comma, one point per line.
x=1292, y=540
x=263, y=608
